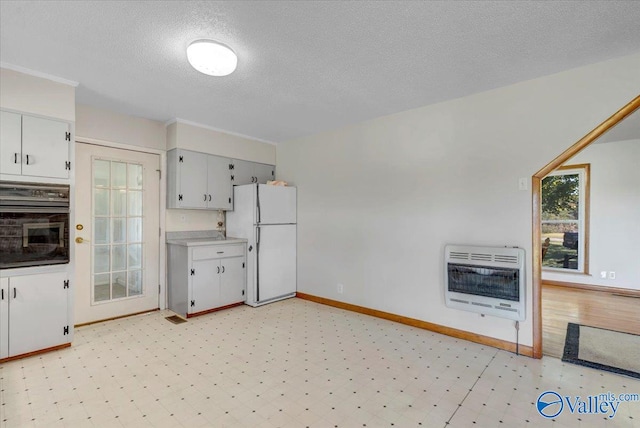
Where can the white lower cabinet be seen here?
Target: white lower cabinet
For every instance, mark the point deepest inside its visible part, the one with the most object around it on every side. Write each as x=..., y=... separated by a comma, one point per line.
x=232, y=280
x=34, y=313
x=205, y=277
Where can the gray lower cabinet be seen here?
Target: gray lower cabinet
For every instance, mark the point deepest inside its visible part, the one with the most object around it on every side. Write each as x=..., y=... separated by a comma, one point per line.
x=34, y=313
x=203, y=278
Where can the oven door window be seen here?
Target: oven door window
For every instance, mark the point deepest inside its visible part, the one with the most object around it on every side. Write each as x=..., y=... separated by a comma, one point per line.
x=33, y=237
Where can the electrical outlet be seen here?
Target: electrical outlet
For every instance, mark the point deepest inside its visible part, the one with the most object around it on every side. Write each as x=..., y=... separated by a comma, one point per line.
x=612, y=275
x=603, y=274
x=340, y=288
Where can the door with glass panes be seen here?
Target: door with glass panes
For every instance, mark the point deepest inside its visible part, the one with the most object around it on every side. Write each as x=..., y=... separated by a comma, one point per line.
x=117, y=232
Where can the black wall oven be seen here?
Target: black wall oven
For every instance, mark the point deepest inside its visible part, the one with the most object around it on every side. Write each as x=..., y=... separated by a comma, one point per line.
x=34, y=224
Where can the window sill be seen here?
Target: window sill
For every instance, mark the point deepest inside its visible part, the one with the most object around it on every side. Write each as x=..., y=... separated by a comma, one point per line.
x=564, y=272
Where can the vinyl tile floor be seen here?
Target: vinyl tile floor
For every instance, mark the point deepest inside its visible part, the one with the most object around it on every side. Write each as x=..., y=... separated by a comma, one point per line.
x=291, y=364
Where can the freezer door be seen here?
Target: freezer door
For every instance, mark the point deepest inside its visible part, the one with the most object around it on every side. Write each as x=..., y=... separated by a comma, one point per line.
x=276, y=261
x=276, y=204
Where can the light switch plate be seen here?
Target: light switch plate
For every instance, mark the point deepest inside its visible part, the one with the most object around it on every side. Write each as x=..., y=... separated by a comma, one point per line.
x=523, y=183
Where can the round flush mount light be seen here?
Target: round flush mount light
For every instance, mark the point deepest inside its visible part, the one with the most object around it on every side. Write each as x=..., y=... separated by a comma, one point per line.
x=212, y=58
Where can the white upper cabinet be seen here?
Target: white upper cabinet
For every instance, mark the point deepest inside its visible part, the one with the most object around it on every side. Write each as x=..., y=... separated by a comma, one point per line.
x=10, y=143
x=198, y=181
x=34, y=146
x=45, y=147
x=246, y=172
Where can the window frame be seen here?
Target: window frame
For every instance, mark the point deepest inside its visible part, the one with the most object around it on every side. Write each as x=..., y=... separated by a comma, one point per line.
x=584, y=199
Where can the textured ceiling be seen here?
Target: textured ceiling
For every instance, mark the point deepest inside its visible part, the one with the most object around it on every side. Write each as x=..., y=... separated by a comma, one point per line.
x=305, y=67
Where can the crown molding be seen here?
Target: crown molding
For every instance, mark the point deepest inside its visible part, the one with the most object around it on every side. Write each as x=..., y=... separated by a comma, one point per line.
x=211, y=128
x=38, y=74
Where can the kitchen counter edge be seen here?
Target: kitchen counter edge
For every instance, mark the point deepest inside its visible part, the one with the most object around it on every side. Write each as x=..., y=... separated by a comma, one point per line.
x=196, y=242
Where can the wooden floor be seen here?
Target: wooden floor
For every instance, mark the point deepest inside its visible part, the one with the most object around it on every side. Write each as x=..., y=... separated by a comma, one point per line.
x=561, y=305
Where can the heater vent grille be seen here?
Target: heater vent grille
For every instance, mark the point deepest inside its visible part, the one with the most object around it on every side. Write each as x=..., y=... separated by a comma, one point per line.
x=488, y=280
x=482, y=257
x=458, y=256
x=506, y=259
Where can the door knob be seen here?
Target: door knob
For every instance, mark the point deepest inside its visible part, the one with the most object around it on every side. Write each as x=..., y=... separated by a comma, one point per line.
x=79, y=226
x=80, y=240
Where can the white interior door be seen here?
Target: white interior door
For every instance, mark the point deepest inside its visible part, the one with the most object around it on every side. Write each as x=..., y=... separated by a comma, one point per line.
x=118, y=224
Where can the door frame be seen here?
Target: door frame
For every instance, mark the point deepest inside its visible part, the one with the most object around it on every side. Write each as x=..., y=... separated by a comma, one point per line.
x=162, y=251
x=536, y=192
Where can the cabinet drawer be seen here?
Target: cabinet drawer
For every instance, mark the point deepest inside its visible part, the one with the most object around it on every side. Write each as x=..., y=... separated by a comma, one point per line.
x=218, y=251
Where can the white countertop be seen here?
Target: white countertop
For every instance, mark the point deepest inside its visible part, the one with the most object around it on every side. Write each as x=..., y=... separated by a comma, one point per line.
x=194, y=242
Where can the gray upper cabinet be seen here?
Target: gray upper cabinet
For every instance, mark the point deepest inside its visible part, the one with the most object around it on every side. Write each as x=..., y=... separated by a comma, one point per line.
x=198, y=181
x=34, y=146
x=246, y=172
x=219, y=179
x=202, y=181
x=264, y=172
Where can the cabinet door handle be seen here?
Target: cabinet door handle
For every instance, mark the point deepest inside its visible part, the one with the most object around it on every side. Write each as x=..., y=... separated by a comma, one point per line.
x=218, y=269
x=222, y=269
x=27, y=159
x=209, y=198
x=15, y=158
x=15, y=293
x=2, y=294
x=205, y=198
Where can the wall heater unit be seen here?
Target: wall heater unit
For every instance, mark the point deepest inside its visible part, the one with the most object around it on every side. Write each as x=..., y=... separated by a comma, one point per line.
x=487, y=280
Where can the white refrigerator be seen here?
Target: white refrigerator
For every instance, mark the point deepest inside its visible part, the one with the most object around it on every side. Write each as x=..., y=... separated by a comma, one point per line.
x=266, y=216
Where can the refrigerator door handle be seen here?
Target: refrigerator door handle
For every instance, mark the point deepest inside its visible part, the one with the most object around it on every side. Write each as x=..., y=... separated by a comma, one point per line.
x=258, y=203
x=257, y=235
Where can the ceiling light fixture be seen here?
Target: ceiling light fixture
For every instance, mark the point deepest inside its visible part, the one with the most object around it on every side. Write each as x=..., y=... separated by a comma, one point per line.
x=212, y=58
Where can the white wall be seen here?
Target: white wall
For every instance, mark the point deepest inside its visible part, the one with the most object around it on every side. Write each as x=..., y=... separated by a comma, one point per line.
x=107, y=125
x=198, y=138
x=378, y=201
x=614, y=232
x=37, y=95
